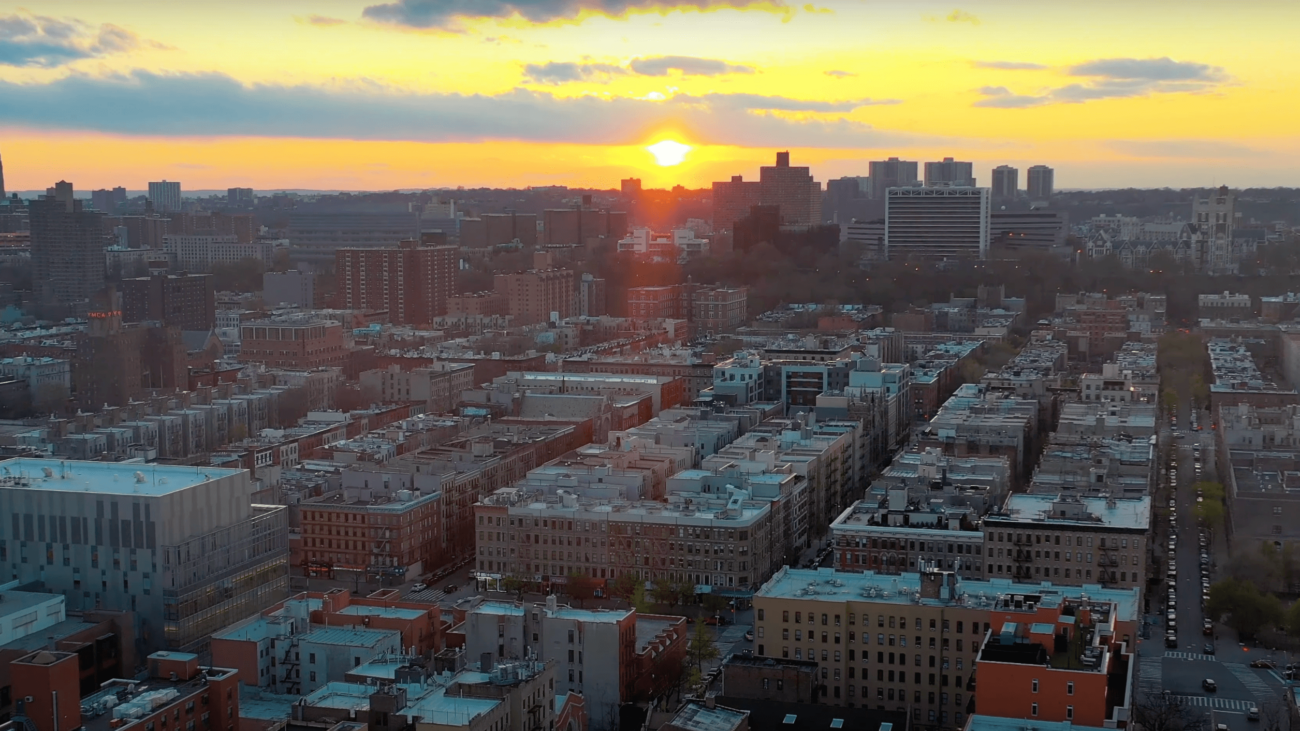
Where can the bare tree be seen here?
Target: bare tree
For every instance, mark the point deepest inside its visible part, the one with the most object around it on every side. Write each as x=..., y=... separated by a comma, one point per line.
x=1167, y=712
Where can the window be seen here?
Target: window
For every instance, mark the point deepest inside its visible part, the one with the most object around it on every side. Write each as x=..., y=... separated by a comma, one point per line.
x=1069, y=688
x=312, y=676
x=1069, y=713
x=1035, y=685
x=1033, y=709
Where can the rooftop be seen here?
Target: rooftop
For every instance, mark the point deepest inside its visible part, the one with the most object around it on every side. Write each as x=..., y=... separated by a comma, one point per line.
x=1129, y=513
x=348, y=637
x=695, y=716
x=998, y=723
x=109, y=478
x=829, y=585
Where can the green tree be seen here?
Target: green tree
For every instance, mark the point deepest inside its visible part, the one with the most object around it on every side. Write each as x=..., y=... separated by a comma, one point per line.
x=623, y=586
x=1210, y=512
x=667, y=592
x=714, y=603
x=1293, y=620
x=639, y=601
x=702, y=646
x=1248, y=610
x=1210, y=490
x=1200, y=392
x=1169, y=399
x=512, y=584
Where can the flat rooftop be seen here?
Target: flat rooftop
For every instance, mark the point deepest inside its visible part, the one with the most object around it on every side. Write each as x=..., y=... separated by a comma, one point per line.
x=362, y=610
x=352, y=637
x=105, y=478
x=998, y=723
x=1128, y=513
x=696, y=716
x=829, y=585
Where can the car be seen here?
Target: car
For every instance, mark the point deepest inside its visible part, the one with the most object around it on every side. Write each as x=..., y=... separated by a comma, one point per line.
x=421, y=586
x=1209, y=648
x=716, y=620
x=1263, y=664
x=1173, y=504
x=1252, y=714
x=1209, y=686
x=1220, y=727
x=1171, y=640
x=449, y=588
x=1207, y=628
x=749, y=635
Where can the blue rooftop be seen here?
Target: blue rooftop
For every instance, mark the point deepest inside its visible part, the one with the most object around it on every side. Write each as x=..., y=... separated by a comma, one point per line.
x=997, y=723
x=350, y=637
x=108, y=478
x=391, y=612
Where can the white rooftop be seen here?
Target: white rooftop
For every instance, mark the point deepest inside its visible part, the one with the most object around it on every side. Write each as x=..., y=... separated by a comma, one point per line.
x=109, y=478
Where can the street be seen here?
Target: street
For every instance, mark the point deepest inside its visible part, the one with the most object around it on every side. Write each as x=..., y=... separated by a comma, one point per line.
x=1181, y=671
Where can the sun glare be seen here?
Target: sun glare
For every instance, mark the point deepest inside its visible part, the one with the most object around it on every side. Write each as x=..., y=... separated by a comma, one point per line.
x=669, y=152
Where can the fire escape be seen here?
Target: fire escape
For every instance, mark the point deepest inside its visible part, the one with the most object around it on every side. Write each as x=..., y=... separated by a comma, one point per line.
x=1024, y=557
x=287, y=672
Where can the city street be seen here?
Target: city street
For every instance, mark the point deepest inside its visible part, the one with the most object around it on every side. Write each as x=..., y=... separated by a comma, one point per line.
x=1181, y=671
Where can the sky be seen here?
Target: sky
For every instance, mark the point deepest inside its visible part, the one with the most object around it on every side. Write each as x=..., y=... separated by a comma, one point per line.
x=389, y=94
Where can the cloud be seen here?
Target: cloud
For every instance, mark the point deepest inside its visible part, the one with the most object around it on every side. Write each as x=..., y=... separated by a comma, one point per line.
x=961, y=16
x=1009, y=65
x=1149, y=69
x=558, y=72
x=322, y=20
x=777, y=103
x=44, y=42
x=687, y=65
x=451, y=13
x=1114, y=78
x=835, y=73
x=216, y=105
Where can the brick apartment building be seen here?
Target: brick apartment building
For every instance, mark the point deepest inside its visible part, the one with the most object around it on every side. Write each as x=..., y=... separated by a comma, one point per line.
x=534, y=295
x=296, y=342
x=409, y=281
x=179, y=300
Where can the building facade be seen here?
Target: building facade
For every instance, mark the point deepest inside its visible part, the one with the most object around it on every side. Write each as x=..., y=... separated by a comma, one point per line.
x=535, y=295
x=411, y=282
x=937, y=223
x=186, y=301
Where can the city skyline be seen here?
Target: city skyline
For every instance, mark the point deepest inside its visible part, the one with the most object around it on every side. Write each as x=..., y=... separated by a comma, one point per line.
x=419, y=94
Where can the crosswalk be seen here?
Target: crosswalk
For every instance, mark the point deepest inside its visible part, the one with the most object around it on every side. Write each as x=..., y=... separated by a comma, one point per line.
x=432, y=596
x=1176, y=655
x=1250, y=679
x=1150, y=669
x=1221, y=704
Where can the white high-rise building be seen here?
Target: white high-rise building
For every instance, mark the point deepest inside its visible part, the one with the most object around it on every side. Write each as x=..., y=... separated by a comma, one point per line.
x=165, y=196
x=937, y=223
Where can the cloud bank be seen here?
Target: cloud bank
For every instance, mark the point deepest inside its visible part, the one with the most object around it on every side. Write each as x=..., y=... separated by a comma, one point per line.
x=189, y=105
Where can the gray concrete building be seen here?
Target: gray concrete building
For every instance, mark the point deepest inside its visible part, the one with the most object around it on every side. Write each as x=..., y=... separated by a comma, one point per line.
x=184, y=548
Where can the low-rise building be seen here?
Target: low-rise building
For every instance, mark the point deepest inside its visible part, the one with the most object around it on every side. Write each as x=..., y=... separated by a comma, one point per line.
x=927, y=629
x=438, y=385
x=897, y=535
x=1069, y=541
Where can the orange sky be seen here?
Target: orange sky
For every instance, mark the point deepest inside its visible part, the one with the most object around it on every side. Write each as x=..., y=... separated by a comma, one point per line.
x=413, y=94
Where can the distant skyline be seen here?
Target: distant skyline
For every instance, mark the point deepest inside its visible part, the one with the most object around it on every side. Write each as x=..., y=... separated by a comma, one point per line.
x=369, y=95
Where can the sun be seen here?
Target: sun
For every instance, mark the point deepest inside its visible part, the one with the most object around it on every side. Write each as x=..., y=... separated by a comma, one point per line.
x=669, y=152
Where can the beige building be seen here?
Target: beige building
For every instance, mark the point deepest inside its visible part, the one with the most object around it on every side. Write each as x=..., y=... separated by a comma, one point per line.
x=1069, y=541
x=907, y=642
x=535, y=294
x=438, y=385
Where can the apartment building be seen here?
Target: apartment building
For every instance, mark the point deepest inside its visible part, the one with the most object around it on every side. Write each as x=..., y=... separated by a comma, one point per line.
x=1069, y=540
x=909, y=642
x=298, y=342
x=438, y=385
x=534, y=296
x=898, y=535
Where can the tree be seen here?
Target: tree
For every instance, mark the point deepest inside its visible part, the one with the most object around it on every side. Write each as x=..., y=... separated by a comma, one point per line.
x=639, y=601
x=294, y=404
x=1200, y=392
x=1247, y=608
x=1167, y=712
x=714, y=603
x=514, y=585
x=1210, y=512
x=667, y=592
x=624, y=585
x=1210, y=490
x=701, y=647
x=1169, y=399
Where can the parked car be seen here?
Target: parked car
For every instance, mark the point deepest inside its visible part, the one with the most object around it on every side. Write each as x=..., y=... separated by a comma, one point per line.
x=749, y=635
x=1209, y=686
x=449, y=588
x=1209, y=648
x=1208, y=629
x=421, y=586
x=1171, y=640
x=1252, y=714
x=1265, y=664
x=716, y=620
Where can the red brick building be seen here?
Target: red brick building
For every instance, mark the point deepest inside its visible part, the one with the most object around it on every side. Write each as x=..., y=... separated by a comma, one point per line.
x=411, y=282
x=300, y=342
x=534, y=295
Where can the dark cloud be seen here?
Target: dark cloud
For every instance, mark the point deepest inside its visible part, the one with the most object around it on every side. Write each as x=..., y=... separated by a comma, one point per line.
x=217, y=105
x=449, y=13
x=687, y=65
x=1009, y=65
x=559, y=72
x=1149, y=69
x=836, y=73
x=1114, y=78
x=40, y=41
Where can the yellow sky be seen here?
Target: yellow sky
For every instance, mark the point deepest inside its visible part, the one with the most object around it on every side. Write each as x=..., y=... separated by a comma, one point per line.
x=316, y=95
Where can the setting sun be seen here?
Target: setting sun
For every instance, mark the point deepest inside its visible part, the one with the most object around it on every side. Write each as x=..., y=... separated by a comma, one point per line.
x=669, y=152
